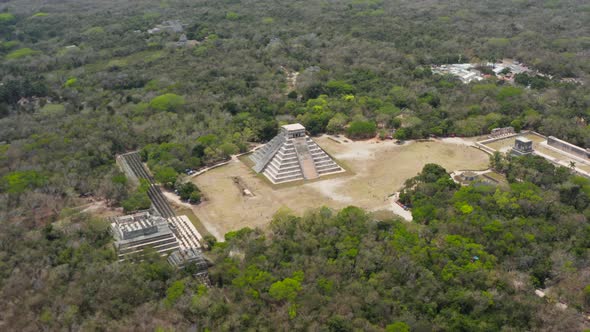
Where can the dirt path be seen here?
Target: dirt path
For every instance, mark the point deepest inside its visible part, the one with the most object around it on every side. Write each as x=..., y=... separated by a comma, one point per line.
x=397, y=209
x=211, y=228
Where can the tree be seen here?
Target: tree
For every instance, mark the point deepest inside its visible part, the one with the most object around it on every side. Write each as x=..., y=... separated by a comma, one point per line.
x=402, y=133
x=18, y=182
x=337, y=123
x=174, y=292
x=189, y=191
x=228, y=149
x=398, y=327
x=339, y=88
x=361, y=129
x=286, y=289
x=138, y=200
x=432, y=173
x=168, y=102
x=497, y=161
x=400, y=96
x=195, y=197
x=166, y=176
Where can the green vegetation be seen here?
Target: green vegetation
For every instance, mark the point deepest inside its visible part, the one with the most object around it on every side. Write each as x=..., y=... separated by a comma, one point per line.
x=232, y=16
x=165, y=175
x=21, y=53
x=403, y=277
x=8, y=45
x=188, y=191
x=18, y=182
x=7, y=18
x=138, y=199
x=388, y=274
x=361, y=129
x=87, y=82
x=167, y=102
x=174, y=292
x=71, y=82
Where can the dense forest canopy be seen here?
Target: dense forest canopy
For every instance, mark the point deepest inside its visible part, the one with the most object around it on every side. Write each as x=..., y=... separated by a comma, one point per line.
x=82, y=81
x=103, y=84
x=471, y=262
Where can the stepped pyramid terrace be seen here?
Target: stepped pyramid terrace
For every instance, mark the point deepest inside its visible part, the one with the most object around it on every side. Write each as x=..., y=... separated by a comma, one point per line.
x=135, y=232
x=291, y=156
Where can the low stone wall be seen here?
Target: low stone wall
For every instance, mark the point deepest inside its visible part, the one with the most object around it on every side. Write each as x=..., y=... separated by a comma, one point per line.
x=567, y=147
x=499, y=132
x=493, y=139
x=484, y=148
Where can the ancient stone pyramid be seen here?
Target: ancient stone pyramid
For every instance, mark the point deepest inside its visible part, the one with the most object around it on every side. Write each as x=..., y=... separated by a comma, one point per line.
x=292, y=155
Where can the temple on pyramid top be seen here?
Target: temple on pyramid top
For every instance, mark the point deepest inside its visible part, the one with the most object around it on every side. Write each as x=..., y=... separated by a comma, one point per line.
x=291, y=156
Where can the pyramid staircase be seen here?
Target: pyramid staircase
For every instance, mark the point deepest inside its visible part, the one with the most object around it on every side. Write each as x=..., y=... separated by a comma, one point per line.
x=292, y=156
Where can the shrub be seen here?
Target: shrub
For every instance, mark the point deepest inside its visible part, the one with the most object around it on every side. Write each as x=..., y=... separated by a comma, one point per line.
x=167, y=102
x=70, y=82
x=7, y=18
x=398, y=327
x=174, y=292
x=339, y=88
x=232, y=16
x=166, y=175
x=139, y=200
x=189, y=191
x=286, y=289
x=228, y=149
x=21, y=53
x=509, y=92
x=361, y=129
x=20, y=181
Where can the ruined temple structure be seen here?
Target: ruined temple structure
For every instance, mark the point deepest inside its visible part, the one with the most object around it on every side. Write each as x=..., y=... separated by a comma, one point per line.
x=133, y=233
x=522, y=146
x=291, y=156
x=500, y=132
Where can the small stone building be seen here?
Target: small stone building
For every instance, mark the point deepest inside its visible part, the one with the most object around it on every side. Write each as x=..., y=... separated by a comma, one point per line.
x=468, y=176
x=522, y=146
x=499, y=132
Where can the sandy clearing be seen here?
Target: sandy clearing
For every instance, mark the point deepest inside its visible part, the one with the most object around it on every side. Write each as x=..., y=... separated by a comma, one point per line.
x=378, y=169
x=211, y=227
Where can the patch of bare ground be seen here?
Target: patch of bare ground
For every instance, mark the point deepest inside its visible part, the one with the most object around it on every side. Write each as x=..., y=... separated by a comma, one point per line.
x=376, y=170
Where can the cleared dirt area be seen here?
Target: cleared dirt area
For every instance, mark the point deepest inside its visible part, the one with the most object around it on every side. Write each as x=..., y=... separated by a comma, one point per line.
x=376, y=170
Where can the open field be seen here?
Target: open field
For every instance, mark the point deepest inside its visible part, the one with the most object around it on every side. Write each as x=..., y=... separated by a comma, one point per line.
x=376, y=170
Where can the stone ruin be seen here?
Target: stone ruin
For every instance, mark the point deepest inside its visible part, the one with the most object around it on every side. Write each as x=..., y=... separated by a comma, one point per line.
x=499, y=132
x=568, y=147
x=522, y=146
x=291, y=156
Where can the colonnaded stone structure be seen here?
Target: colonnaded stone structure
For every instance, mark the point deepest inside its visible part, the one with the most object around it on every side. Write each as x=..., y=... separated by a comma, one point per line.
x=291, y=156
x=568, y=147
x=499, y=132
x=135, y=232
x=522, y=146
